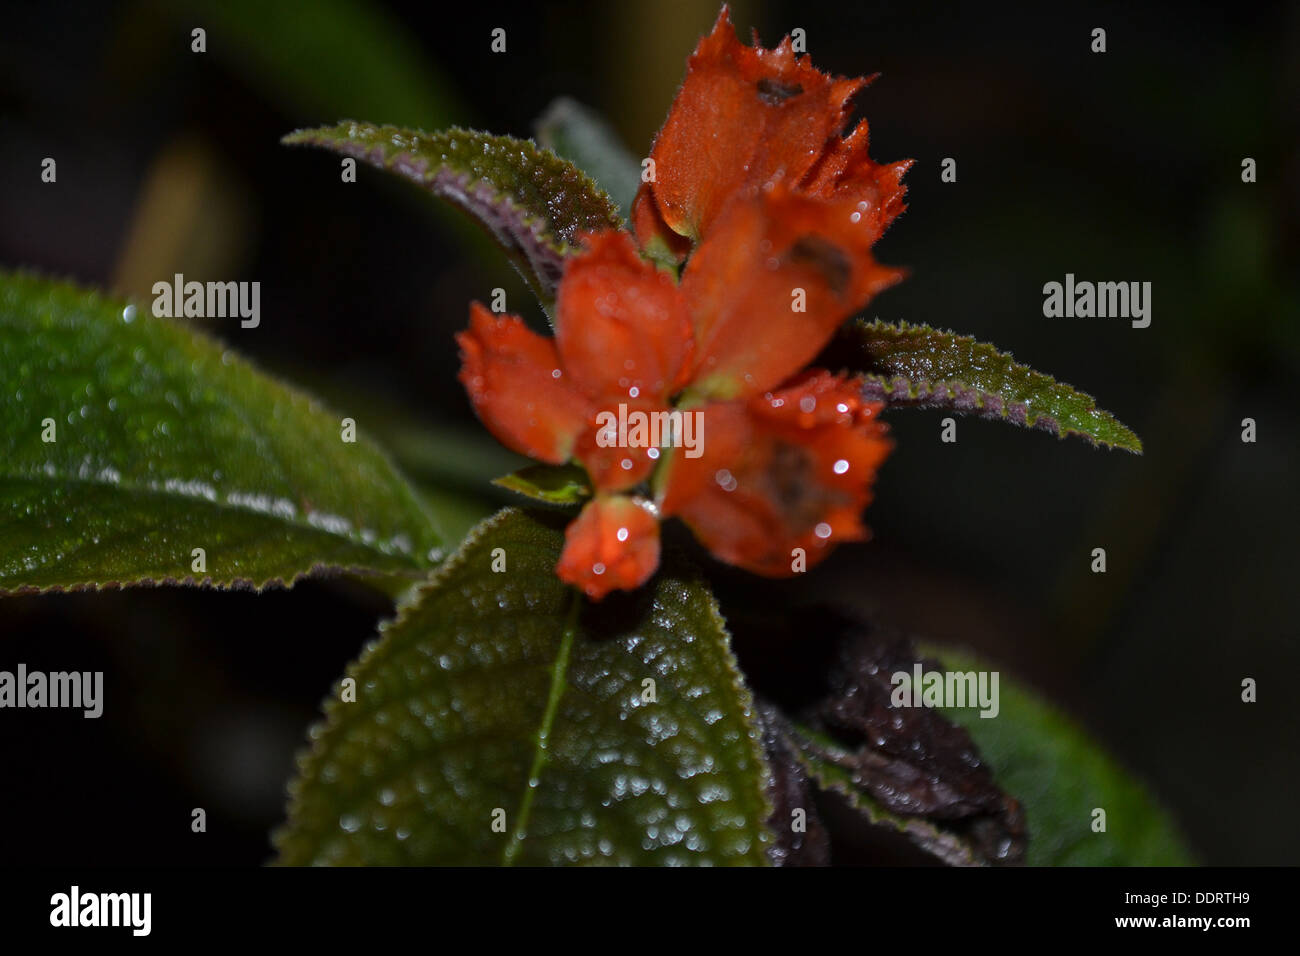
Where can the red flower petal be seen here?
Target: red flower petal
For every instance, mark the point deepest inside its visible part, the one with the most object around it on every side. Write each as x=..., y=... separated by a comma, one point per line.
x=770, y=284
x=847, y=172
x=789, y=470
x=613, y=544
x=621, y=325
x=656, y=239
x=518, y=389
x=744, y=117
x=621, y=465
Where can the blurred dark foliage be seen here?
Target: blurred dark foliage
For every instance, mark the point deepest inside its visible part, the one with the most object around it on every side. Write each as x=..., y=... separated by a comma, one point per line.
x=1122, y=166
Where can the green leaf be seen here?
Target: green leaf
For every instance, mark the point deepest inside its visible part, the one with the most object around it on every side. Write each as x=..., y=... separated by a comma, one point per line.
x=571, y=130
x=500, y=691
x=915, y=365
x=533, y=203
x=166, y=442
x=553, y=484
x=1060, y=776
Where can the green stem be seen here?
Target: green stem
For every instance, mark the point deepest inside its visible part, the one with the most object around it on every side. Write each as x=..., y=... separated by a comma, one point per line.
x=558, y=672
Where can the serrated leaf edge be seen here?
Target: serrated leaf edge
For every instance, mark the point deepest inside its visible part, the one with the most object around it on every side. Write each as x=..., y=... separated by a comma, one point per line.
x=956, y=395
x=316, y=732
x=545, y=252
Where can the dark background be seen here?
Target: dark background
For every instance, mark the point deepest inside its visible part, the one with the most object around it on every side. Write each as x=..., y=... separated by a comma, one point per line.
x=1122, y=166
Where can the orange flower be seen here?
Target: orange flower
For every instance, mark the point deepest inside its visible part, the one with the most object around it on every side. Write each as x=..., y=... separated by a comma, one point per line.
x=787, y=474
x=689, y=398
x=745, y=118
x=613, y=543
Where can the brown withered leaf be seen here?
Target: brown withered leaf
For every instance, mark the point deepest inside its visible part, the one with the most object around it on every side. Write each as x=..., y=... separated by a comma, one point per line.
x=912, y=763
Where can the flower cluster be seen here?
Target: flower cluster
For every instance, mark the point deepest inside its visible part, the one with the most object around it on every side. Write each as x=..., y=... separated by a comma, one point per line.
x=751, y=245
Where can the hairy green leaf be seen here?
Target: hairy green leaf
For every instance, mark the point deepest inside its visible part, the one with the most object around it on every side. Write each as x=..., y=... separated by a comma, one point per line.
x=915, y=365
x=617, y=733
x=1061, y=777
x=553, y=484
x=534, y=203
x=571, y=130
x=165, y=442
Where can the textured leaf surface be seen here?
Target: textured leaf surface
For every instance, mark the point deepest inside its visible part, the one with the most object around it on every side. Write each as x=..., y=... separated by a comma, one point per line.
x=571, y=130
x=166, y=442
x=553, y=484
x=489, y=693
x=1060, y=776
x=534, y=203
x=919, y=366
